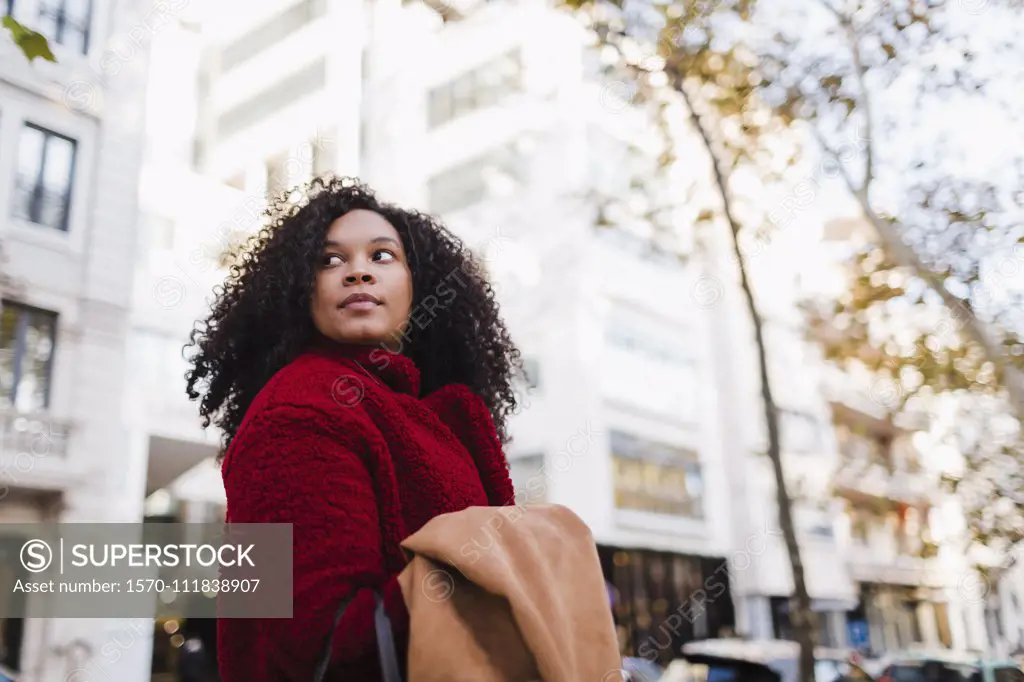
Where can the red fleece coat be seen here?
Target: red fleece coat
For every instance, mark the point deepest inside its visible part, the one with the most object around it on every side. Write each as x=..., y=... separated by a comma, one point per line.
x=340, y=444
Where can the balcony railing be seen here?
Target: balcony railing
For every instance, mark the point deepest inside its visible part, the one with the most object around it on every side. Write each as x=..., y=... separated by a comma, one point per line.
x=871, y=566
x=27, y=436
x=40, y=204
x=876, y=480
x=34, y=453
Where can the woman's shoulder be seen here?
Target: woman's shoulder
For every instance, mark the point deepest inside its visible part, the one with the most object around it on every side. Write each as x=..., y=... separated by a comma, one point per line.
x=469, y=418
x=461, y=409
x=305, y=401
x=454, y=400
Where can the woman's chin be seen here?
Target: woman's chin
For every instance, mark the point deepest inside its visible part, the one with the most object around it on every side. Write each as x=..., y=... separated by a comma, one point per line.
x=366, y=335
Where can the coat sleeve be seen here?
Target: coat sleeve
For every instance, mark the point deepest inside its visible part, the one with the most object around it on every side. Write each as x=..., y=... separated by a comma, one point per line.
x=466, y=414
x=292, y=468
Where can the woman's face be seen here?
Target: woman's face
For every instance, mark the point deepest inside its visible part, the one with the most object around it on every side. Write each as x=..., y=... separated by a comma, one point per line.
x=363, y=291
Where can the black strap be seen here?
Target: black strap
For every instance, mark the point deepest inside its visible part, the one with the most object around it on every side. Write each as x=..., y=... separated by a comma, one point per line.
x=385, y=641
x=325, y=657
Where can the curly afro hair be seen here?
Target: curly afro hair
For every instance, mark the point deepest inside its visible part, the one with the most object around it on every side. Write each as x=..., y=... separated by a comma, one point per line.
x=260, y=319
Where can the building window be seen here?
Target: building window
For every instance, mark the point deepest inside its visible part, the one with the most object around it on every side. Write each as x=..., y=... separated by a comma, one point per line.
x=46, y=165
x=285, y=172
x=646, y=335
x=67, y=22
x=484, y=86
x=323, y=151
x=821, y=529
x=27, y=339
x=656, y=477
x=277, y=176
x=529, y=479
x=281, y=94
x=783, y=626
x=472, y=182
x=271, y=32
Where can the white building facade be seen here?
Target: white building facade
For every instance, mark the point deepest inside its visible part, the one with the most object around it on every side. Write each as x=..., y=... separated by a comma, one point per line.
x=72, y=137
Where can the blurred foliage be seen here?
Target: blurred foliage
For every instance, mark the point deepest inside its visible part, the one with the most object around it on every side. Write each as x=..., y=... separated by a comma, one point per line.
x=33, y=45
x=933, y=304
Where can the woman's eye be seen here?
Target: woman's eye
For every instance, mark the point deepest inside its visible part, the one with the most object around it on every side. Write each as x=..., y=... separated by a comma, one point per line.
x=383, y=255
x=331, y=260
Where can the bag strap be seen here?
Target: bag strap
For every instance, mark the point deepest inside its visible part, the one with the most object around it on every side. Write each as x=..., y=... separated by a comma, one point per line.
x=386, y=652
x=325, y=655
x=386, y=642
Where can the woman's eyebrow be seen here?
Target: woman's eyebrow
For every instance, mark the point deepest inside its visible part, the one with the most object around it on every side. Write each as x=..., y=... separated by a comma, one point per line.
x=376, y=240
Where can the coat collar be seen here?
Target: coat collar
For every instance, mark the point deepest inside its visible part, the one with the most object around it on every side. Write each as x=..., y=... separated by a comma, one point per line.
x=395, y=370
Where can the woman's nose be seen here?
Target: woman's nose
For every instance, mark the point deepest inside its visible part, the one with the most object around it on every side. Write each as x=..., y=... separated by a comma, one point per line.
x=358, y=276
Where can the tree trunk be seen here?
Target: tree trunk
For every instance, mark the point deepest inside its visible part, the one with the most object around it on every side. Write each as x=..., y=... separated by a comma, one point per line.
x=801, y=616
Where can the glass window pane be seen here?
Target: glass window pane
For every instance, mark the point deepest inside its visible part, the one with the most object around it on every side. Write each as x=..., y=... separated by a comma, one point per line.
x=30, y=152
x=656, y=477
x=60, y=154
x=26, y=353
x=8, y=339
x=78, y=11
x=33, y=386
x=47, y=22
x=76, y=37
x=52, y=157
x=52, y=210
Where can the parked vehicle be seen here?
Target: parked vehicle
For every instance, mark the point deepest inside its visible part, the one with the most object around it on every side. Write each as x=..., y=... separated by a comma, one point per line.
x=945, y=666
x=773, y=660
x=642, y=670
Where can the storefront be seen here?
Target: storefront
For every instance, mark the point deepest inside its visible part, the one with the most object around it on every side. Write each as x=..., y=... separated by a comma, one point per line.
x=662, y=600
x=829, y=621
x=896, y=617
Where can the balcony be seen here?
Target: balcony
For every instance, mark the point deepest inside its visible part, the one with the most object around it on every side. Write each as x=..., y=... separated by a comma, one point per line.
x=33, y=452
x=864, y=482
x=868, y=565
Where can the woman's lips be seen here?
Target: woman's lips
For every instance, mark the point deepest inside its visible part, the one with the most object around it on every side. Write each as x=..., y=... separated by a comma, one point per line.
x=361, y=305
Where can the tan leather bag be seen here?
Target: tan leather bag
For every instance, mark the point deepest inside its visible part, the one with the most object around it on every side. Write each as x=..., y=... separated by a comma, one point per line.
x=508, y=594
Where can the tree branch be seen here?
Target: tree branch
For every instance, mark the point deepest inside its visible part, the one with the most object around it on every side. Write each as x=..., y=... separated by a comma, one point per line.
x=846, y=23
x=962, y=311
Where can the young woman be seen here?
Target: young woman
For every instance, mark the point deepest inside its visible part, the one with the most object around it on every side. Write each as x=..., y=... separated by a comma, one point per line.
x=357, y=366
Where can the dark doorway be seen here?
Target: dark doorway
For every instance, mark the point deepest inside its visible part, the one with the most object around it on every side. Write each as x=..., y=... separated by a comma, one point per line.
x=12, y=604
